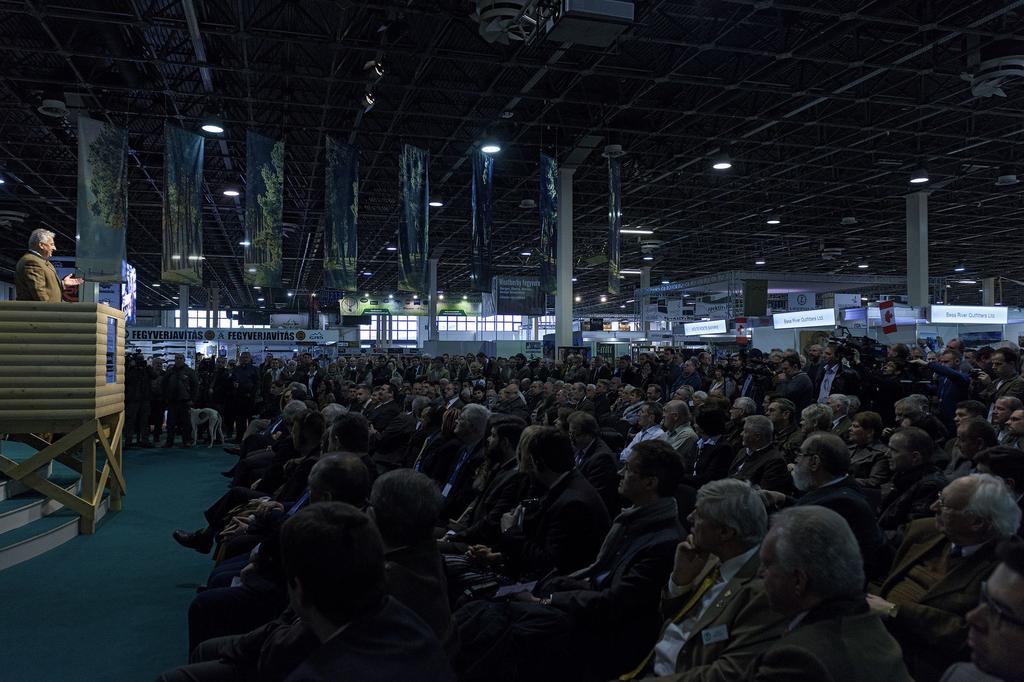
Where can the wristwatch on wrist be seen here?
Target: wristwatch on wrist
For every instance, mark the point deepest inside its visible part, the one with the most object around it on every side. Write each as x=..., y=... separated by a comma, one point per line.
x=893, y=610
x=546, y=601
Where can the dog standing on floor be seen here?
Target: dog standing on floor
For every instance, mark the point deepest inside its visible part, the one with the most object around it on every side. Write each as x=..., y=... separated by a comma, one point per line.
x=210, y=417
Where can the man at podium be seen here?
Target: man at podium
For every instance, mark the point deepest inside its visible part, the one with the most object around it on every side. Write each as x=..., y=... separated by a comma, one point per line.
x=35, y=277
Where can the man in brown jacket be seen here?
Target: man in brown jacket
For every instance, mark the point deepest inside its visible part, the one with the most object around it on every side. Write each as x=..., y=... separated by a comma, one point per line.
x=35, y=278
x=937, y=574
x=716, y=611
x=814, y=577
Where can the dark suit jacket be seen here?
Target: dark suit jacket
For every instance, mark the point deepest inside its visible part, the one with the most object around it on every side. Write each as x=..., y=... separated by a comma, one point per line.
x=415, y=575
x=600, y=466
x=461, y=493
x=503, y=493
x=843, y=427
x=766, y=469
x=391, y=643
x=838, y=641
x=35, y=279
x=389, y=447
x=710, y=463
x=847, y=499
x=585, y=405
x=564, y=533
x=933, y=630
x=911, y=497
x=382, y=415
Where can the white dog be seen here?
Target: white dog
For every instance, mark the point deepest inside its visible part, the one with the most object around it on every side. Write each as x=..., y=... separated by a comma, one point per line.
x=211, y=418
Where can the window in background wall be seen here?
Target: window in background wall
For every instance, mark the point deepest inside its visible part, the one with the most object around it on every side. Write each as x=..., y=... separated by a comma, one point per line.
x=368, y=332
x=204, y=319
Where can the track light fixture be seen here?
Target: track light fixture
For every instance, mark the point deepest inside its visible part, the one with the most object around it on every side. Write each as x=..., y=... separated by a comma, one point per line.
x=919, y=176
x=721, y=161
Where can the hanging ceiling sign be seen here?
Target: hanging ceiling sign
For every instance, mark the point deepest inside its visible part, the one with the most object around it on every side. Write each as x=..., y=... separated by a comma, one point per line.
x=706, y=327
x=824, y=317
x=968, y=314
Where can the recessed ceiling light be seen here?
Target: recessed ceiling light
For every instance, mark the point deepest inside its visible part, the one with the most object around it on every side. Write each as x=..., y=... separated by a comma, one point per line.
x=604, y=299
x=156, y=284
x=257, y=288
x=622, y=306
x=490, y=148
x=252, y=269
x=231, y=192
x=367, y=273
x=212, y=127
x=629, y=272
x=261, y=299
x=578, y=299
x=174, y=297
x=919, y=176
x=773, y=219
x=863, y=266
x=196, y=258
x=630, y=230
x=440, y=297
x=760, y=261
x=525, y=253
x=648, y=257
x=465, y=298
x=573, y=279
x=176, y=257
x=436, y=204
x=392, y=248
x=291, y=293
x=959, y=268
x=665, y=281
x=2, y=181
x=245, y=242
x=721, y=162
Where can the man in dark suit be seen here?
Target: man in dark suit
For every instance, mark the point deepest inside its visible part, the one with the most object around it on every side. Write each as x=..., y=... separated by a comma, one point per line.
x=840, y=406
x=821, y=473
x=580, y=401
x=713, y=456
x=1006, y=381
x=599, y=370
x=916, y=481
x=758, y=461
x=834, y=376
x=814, y=577
x=35, y=278
x=595, y=460
x=560, y=531
x=937, y=574
x=386, y=410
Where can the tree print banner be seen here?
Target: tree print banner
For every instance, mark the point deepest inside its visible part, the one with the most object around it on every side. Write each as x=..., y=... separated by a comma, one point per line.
x=548, y=224
x=614, y=223
x=341, y=238
x=102, y=200
x=414, y=218
x=182, y=257
x=482, y=196
x=264, y=207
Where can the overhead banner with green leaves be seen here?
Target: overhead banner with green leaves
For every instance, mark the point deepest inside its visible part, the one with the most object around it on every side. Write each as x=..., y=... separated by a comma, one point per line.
x=102, y=200
x=482, y=196
x=264, y=207
x=548, y=206
x=403, y=305
x=341, y=220
x=182, y=256
x=614, y=223
x=414, y=218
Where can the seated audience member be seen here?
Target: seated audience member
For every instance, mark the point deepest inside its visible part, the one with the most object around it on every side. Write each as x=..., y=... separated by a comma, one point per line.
x=1015, y=424
x=972, y=436
x=500, y=486
x=648, y=423
x=787, y=433
x=740, y=409
x=938, y=570
x=813, y=576
x=715, y=608
x=840, y=406
x=675, y=422
x=595, y=460
x=869, y=458
x=342, y=623
x=286, y=479
x=458, y=461
x=255, y=458
x=389, y=446
x=821, y=474
x=713, y=456
x=996, y=624
x=223, y=609
x=913, y=411
x=916, y=482
x=1008, y=464
x=758, y=461
x=611, y=605
x=560, y=531
x=815, y=417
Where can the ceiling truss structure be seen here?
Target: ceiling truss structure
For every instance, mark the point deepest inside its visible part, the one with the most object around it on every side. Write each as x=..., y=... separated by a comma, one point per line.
x=825, y=107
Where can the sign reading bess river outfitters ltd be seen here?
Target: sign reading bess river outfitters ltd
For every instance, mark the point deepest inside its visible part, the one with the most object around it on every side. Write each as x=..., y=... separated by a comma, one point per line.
x=968, y=314
x=824, y=317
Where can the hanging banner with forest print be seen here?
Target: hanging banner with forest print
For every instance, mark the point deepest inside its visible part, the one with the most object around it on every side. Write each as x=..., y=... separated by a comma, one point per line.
x=102, y=200
x=264, y=207
x=182, y=257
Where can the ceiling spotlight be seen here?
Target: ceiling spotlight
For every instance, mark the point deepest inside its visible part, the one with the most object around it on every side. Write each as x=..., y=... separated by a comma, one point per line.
x=465, y=298
x=257, y=288
x=156, y=284
x=212, y=125
x=578, y=299
x=919, y=176
x=367, y=273
x=391, y=248
x=721, y=162
x=368, y=100
x=176, y=257
x=863, y=266
x=290, y=294
x=525, y=253
x=245, y=242
x=665, y=281
x=490, y=147
x=2, y=181
x=175, y=298
x=391, y=295
x=629, y=272
x=440, y=297
x=375, y=67
x=622, y=306
x=261, y=299
x=252, y=269
x=959, y=268
x=573, y=279
x=759, y=261
x=196, y=258
x=648, y=257
x=773, y=219
x=604, y=299
x=231, y=192
x=436, y=204
x=635, y=231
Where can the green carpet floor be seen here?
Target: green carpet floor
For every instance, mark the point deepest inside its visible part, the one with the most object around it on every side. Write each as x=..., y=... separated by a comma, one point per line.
x=113, y=606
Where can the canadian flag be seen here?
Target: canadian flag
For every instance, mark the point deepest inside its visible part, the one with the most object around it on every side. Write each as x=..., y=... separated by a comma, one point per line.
x=740, y=326
x=888, y=314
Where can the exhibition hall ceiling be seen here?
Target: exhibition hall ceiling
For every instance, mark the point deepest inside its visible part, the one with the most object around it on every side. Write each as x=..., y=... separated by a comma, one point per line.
x=825, y=108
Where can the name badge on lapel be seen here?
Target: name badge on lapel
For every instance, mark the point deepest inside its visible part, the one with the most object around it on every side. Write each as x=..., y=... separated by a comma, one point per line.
x=715, y=634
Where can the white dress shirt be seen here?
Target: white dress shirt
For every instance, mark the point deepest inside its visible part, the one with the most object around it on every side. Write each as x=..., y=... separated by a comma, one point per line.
x=650, y=433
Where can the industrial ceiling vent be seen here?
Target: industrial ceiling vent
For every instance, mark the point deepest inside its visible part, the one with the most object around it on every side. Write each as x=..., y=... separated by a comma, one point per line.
x=995, y=66
x=502, y=21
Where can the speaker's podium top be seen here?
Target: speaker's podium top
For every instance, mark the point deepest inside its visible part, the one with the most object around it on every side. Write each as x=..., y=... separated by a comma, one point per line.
x=61, y=364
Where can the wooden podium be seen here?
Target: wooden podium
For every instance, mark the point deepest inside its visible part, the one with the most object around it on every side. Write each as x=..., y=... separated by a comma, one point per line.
x=62, y=373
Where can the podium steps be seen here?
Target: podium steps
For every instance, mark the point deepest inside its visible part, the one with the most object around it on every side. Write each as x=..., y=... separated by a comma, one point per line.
x=31, y=524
